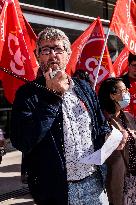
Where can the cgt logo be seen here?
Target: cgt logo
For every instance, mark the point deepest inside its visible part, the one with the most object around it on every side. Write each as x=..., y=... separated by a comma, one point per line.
x=89, y=58
x=18, y=60
x=93, y=70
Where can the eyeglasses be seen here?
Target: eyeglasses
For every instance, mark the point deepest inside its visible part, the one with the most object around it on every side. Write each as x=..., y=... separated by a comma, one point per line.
x=119, y=92
x=47, y=50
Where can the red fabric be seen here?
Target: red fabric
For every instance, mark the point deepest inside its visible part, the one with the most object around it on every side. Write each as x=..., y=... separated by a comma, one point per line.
x=123, y=23
x=132, y=106
x=16, y=50
x=77, y=47
x=3, y=18
x=86, y=52
x=120, y=65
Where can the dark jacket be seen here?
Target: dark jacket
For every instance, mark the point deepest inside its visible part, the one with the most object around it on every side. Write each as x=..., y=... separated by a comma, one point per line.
x=37, y=131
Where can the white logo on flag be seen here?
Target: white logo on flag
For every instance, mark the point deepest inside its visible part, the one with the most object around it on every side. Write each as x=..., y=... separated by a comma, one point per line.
x=18, y=58
x=102, y=72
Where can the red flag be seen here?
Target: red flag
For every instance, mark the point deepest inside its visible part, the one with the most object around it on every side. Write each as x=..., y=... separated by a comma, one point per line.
x=120, y=65
x=17, y=49
x=77, y=47
x=3, y=17
x=86, y=52
x=132, y=106
x=1, y=5
x=123, y=23
x=26, y=28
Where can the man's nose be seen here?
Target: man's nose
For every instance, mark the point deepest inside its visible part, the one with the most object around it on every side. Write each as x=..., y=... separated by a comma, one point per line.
x=52, y=52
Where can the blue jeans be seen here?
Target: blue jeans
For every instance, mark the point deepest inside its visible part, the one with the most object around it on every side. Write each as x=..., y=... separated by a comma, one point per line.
x=88, y=191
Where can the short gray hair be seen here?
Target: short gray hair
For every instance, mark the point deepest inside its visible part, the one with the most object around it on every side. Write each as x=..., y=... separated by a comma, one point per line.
x=51, y=33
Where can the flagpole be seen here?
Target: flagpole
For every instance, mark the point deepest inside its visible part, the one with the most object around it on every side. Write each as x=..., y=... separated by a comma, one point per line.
x=101, y=57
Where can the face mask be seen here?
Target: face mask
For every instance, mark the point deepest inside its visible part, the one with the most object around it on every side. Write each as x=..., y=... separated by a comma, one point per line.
x=125, y=101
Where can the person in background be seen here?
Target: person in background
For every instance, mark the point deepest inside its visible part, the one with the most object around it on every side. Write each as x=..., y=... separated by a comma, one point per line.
x=55, y=119
x=82, y=74
x=121, y=165
x=130, y=81
x=2, y=145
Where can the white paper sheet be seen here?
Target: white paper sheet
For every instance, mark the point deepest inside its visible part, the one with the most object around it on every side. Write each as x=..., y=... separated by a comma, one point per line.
x=99, y=157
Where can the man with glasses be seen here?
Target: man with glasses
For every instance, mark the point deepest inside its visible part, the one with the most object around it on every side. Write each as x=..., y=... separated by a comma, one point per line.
x=130, y=81
x=56, y=119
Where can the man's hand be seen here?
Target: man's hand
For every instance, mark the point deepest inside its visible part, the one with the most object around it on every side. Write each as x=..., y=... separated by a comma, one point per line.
x=59, y=83
x=124, y=140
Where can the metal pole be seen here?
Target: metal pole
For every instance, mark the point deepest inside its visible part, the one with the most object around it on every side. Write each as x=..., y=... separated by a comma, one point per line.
x=100, y=61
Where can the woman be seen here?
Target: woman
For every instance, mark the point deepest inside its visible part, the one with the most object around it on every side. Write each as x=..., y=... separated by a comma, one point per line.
x=121, y=173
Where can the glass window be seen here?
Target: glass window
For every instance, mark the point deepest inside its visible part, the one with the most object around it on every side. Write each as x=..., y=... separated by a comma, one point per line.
x=52, y=4
x=93, y=8
x=86, y=7
x=112, y=1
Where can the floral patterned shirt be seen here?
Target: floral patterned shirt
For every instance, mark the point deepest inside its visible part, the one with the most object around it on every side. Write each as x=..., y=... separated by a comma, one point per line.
x=77, y=136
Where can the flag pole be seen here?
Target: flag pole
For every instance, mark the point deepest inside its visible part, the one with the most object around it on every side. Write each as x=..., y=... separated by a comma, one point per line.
x=101, y=57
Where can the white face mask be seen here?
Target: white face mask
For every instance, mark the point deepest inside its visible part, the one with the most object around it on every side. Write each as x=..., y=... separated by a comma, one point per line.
x=125, y=101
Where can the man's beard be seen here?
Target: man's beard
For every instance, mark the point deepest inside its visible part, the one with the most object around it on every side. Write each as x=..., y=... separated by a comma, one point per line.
x=44, y=68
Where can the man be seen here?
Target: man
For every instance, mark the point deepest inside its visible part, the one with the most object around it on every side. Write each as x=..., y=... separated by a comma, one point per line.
x=54, y=121
x=130, y=82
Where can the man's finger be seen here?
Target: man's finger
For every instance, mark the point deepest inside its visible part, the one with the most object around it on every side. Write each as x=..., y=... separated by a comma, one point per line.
x=58, y=76
x=47, y=74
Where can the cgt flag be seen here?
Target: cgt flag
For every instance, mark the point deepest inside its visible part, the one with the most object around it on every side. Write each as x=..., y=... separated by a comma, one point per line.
x=123, y=23
x=86, y=52
x=132, y=106
x=17, y=42
x=120, y=65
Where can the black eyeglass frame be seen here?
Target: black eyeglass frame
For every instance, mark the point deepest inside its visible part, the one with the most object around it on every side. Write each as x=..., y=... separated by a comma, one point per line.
x=46, y=50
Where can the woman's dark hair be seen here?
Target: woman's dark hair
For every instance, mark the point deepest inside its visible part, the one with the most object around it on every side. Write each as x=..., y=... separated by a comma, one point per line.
x=81, y=74
x=107, y=87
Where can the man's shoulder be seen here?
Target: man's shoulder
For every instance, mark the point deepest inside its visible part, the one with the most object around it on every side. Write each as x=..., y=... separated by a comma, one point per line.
x=84, y=87
x=82, y=83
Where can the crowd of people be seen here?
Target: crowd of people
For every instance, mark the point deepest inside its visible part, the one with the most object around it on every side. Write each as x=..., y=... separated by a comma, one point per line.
x=57, y=119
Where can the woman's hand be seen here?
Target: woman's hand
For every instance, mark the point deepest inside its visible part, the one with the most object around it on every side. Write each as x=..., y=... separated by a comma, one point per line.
x=123, y=141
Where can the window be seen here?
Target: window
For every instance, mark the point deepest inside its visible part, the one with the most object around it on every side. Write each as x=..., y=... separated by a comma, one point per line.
x=86, y=7
x=52, y=4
